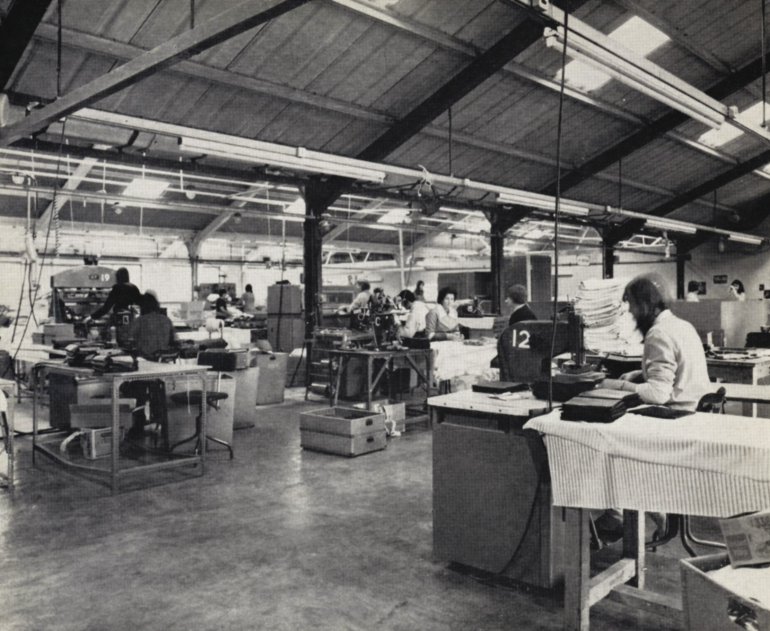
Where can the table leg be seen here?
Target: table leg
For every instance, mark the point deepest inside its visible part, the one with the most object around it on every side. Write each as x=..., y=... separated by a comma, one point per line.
x=204, y=416
x=338, y=382
x=369, y=385
x=633, y=544
x=33, y=380
x=577, y=566
x=115, y=438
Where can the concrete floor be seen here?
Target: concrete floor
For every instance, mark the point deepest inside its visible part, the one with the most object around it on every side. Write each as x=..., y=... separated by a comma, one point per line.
x=279, y=538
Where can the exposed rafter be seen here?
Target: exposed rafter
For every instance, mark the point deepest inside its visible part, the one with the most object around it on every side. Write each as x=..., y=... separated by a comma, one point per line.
x=16, y=32
x=119, y=50
x=230, y=23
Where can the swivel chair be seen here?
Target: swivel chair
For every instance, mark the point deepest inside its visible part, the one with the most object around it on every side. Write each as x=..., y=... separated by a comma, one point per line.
x=195, y=397
x=679, y=525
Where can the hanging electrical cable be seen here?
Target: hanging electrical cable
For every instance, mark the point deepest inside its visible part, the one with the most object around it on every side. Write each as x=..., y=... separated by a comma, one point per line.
x=764, y=72
x=556, y=215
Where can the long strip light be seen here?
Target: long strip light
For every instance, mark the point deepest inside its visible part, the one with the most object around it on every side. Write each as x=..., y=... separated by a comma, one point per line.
x=745, y=238
x=636, y=77
x=297, y=158
x=544, y=202
x=671, y=224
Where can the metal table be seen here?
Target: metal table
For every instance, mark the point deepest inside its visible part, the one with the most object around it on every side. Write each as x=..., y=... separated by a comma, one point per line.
x=146, y=370
x=387, y=357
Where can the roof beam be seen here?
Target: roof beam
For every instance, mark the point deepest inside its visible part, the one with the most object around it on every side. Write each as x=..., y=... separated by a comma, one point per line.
x=467, y=80
x=78, y=175
x=230, y=23
x=16, y=31
x=119, y=50
x=666, y=123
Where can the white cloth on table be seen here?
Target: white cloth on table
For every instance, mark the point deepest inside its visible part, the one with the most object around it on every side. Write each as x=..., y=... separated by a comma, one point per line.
x=454, y=359
x=703, y=464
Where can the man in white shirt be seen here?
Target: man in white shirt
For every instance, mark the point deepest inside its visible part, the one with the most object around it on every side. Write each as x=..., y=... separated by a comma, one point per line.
x=418, y=310
x=674, y=371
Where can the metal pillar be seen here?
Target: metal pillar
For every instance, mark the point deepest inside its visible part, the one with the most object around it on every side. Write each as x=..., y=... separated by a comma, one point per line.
x=608, y=261
x=317, y=199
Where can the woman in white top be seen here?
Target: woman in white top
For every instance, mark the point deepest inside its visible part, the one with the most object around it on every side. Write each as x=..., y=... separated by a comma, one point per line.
x=441, y=323
x=249, y=301
x=737, y=291
x=418, y=313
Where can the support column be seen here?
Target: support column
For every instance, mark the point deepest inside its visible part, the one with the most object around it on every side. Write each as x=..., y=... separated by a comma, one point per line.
x=317, y=199
x=680, y=285
x=499, y=224
x=608, y=261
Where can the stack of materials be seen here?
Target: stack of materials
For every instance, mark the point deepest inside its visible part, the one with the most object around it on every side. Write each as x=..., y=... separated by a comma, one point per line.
x=609, y=327
x=342, y=431
x=599, y=406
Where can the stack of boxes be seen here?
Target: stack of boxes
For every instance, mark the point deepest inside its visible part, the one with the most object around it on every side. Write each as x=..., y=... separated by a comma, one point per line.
x=343, y=431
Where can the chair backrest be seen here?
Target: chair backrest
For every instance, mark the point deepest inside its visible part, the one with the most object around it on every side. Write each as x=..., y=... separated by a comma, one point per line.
x=713, y=402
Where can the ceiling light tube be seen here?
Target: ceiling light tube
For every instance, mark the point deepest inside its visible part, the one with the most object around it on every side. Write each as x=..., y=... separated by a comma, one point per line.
x=299, y=159
x=636, y=78
x=745, y=238
x=543, y=202
x=667, y=224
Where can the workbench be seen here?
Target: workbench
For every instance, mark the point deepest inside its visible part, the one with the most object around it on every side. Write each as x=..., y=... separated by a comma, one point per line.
x=385, y=360
x=713, y=465
x=118, y=467
x=492, y=507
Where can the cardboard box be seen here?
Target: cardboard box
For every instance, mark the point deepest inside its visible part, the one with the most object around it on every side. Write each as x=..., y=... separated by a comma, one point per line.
x=99, y=413
x=710, y=606
x=345, y=422
x=343, y=445
x=97, y=443
x=747, y=538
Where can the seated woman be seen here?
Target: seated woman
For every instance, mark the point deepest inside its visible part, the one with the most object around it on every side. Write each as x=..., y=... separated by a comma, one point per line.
x=674, y=371
x=152, y=333
x=441, y=323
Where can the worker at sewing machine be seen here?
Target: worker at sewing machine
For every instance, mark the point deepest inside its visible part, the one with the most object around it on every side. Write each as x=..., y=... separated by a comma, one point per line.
x=418, y=312
x=121, y=298
x=674, y=371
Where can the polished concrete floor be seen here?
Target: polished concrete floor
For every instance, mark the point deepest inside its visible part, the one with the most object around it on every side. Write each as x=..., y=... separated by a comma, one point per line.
x=277, y=539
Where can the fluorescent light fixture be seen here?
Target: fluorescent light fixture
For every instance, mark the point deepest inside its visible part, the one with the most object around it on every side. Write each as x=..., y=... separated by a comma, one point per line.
x=661, y=86
x=745, y=238
x=146, y=188
x=636, y=34
x=544, y=202
x=670, y=224
x=295, y=158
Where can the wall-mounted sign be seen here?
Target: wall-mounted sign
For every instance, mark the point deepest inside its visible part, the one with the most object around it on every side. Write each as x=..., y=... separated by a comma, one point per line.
x=720, y=279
